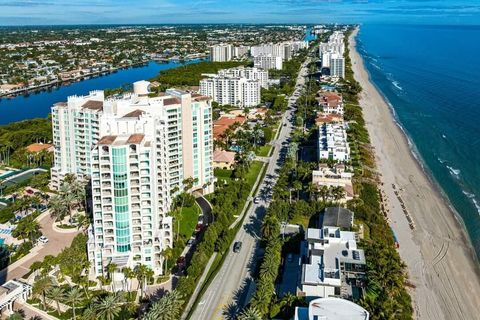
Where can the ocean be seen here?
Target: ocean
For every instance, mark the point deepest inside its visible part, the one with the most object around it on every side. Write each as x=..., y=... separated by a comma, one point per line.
x=430, y=77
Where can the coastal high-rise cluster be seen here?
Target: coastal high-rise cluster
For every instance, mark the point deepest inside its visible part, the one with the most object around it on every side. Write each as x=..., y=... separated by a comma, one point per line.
x=226, y=52
x=136, y=152
x=272, y=55
x=331, y=55
x=266, y=56
x=236, y=86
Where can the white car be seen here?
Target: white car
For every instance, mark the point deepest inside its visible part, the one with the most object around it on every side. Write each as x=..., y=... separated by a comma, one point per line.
x=43, y=239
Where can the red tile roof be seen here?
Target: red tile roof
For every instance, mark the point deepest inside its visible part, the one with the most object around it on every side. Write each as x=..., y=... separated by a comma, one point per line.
x=93, y=105
x=107, y=140
x=170, y=101
x=223, y=123
x=38, y=147
x=135, y=138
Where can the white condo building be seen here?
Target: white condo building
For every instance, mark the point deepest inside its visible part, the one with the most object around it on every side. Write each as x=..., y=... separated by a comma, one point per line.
x=284, y=50
x=268, y=62
x=238, y=86
x=221, y=53
x=337, y=65
x=226, y=52
x=332, y=142
x=249, y=73
x=331, y=54
x=139, y=150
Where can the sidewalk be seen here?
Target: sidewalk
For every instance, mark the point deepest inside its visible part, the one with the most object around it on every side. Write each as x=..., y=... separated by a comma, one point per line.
x=193, y=297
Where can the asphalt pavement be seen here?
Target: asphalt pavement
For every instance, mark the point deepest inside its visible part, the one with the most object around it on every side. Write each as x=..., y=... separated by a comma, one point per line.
x=232, y=287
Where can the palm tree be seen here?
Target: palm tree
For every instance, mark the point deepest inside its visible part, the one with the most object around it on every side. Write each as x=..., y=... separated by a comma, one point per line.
x=128, y=274
x=141, y=275
x=36, y=266
x=111, y=268
x=68, y=198
x=297, y=186
x=16, y=316
x=169, y=307
x=58, y=209
x=270, y=227
x=84, y=283
x=73, y=297
x=83, y=222
x=250, y=314
x=104, y=281
x=324, y=193
x=40, y=287
x=27, y=228
x=110, y=306
x=338, y=193
x=167, y=253
x=56, y=294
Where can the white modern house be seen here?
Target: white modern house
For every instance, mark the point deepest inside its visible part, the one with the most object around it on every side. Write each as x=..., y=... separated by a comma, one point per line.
x=332, y=142
x=331, y=309
x=334, y=266
x=140, y=149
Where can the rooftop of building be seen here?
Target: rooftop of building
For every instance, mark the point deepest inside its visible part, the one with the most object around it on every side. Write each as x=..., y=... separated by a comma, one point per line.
x=328, y=247
x=134, y=114
x=223, y=156
x=327, y=118
x=38, y=147
x=338, y=217
x=332, y=309
x=93, y=105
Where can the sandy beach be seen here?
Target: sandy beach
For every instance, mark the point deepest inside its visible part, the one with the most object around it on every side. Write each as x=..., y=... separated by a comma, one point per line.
x=439, y=258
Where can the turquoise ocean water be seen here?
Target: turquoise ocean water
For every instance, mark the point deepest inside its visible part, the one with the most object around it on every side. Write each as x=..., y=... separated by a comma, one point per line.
x=431, y=77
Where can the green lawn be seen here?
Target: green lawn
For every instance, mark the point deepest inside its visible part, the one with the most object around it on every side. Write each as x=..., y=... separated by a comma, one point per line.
x=253, y=173
x=263, y=151
x=301, y=220
x=188, y=221
x=223, y=175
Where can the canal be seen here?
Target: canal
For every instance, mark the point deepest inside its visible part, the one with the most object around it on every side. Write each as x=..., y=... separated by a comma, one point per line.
x=38, y=104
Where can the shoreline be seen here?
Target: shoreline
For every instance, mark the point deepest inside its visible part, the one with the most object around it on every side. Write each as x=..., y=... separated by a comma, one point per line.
x=440, y=258
x=423, y=166
x=25, y=92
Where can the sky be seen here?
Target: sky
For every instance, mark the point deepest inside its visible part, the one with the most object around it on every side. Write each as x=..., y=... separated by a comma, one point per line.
x=48, y=12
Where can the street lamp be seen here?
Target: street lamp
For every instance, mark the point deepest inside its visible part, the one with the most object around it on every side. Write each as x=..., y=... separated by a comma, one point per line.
x=283, y=227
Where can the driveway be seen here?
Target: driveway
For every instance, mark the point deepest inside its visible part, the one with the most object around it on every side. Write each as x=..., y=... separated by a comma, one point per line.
x=56, y=243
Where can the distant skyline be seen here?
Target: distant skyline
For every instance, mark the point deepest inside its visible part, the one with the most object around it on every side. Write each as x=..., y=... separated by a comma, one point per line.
x=48, y=12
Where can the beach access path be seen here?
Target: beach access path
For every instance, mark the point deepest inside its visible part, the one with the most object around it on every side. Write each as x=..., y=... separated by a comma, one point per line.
x=439, y=258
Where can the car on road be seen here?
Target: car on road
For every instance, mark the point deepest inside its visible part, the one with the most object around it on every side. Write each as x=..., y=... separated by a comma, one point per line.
x=190, y=241
x=290, y=257
x=199, y=227
x=181, y=263
x=43, y=239
x=237, y=246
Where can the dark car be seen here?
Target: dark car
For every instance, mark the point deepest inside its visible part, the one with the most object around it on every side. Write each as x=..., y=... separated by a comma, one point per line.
x=181, y=262
x=237, y=246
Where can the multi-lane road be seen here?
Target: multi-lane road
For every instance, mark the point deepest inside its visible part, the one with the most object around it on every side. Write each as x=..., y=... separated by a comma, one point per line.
x=233, y=285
